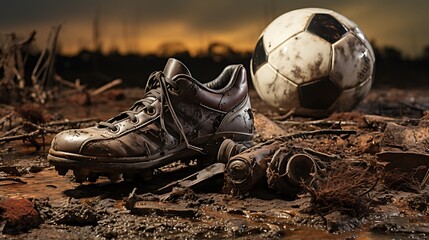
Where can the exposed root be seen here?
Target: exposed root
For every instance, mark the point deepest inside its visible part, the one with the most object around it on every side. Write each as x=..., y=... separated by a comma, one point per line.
x=402, y=181
x=346, y=189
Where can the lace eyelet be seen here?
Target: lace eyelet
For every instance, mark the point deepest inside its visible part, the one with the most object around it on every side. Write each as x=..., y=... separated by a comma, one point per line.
x=114, y=130
x=177, y=90
x=150, y=111
x=135, y=121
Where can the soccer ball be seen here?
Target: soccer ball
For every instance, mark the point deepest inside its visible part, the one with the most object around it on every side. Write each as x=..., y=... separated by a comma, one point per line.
x=312, y=61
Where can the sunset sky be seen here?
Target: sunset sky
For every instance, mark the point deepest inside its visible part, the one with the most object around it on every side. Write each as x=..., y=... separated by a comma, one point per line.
x=141, y=26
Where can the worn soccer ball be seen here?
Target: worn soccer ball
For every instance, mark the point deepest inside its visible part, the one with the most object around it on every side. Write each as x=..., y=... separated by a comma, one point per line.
x=312, y=61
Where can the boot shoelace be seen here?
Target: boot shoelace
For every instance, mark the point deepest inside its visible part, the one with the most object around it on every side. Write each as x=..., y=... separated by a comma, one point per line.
x=157, y=87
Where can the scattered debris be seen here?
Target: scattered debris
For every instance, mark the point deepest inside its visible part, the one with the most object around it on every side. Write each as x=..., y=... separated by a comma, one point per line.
x=247, y=168
x=12, y=62
x=33, y=124
x=406, y=138
x=358, y=174
x=197, y=178
x=44, y=71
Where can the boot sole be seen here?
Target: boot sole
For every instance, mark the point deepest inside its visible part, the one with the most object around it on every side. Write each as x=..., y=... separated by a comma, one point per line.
x=89, y=167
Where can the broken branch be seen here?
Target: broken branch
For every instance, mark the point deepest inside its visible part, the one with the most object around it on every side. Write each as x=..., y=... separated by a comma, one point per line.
x=13, y=179
x=106, y=87
x=76, y=85
x=322, y=122
x=8, y=117
x=315, y=133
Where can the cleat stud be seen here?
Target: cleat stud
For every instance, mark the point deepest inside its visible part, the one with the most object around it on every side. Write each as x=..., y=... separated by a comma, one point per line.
x=114, y=177
x=146, y=175
x=61, y=170
x=93, y=177
x=187, y=162
x=81, y=175
x=129, y=177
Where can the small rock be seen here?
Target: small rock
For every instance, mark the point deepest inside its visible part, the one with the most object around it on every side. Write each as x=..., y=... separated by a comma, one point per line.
x=19, y=215
x=417, y=202
x=237, y=227
x=35, y=169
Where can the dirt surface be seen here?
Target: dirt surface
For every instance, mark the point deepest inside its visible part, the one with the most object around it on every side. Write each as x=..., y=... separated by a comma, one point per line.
x=371, y=184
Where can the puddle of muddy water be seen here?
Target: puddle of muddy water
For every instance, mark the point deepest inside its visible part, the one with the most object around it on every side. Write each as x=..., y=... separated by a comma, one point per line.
x=46, y=183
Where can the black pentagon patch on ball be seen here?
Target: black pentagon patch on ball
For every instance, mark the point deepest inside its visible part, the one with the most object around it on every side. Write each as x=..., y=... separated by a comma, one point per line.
x=326, y=27
x=319, y=94
x=259, y=56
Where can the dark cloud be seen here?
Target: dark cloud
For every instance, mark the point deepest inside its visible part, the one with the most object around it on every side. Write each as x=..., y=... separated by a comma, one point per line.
x=22, y=12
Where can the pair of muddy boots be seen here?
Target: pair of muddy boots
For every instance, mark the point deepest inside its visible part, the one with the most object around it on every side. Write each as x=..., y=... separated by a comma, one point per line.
x=178, y=118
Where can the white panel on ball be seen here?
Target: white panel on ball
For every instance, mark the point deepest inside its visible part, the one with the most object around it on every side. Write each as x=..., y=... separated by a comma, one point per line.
x=284, y=27
x=303, y=58
x=352, y=63
x=363, y=89
x=273, y=88
x=365, y=41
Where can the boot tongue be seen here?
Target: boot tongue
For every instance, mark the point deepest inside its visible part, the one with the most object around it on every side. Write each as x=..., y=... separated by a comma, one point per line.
x=174, y=67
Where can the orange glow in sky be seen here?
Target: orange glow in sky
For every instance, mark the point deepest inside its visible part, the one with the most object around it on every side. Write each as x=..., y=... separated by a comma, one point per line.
x=142, y=26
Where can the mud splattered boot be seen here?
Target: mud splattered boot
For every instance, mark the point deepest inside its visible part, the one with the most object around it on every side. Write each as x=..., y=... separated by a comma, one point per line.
x=178, y=118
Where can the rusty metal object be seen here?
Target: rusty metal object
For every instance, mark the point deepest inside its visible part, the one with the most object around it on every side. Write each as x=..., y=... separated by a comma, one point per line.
x=228, y=149
x=289, y=169
x=196, y=178
x=244, y=170
x=249, y=167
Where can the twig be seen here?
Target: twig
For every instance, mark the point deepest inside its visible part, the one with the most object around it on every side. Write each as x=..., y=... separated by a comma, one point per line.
x=314, y=133
x=380, y=122
x=70, y=122
x=28, y=136
x=44, y=68
x=321, y=122
x=40, y=129
x=321, y=155
x=29, y=39
x=12, y=131
x=8, y=117
x=105, y=87
x=371, y=188
x=76, y=85
x=425, y=180
x=12, y=179
x=417, y=108
x=11, y=108
x=285, y=116
x=35, y=143
x=21, y=136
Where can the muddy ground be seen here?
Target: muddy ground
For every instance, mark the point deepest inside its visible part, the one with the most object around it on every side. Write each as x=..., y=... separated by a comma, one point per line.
x=372, y=185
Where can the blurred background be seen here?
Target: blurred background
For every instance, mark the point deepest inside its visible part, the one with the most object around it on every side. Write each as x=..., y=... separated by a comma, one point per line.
x=102, y=40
